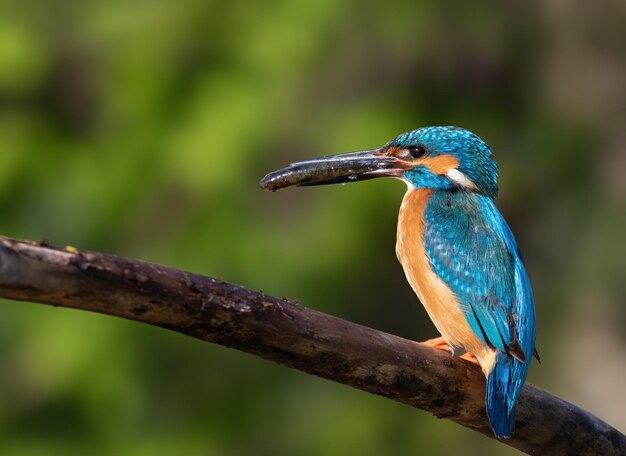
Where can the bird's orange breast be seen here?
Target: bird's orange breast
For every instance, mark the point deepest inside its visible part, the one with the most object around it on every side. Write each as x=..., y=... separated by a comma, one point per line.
x=439, y=301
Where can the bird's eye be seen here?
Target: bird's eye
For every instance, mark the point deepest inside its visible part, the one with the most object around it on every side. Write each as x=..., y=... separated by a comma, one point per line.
x=417, y=151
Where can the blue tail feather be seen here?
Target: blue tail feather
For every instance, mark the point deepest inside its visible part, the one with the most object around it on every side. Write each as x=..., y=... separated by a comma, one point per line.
x=503, y=387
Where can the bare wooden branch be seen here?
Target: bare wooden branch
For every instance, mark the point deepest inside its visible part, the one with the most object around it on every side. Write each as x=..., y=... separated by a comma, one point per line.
x=292, y=335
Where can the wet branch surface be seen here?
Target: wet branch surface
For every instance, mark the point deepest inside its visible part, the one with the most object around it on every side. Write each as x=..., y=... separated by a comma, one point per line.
x=287, y=333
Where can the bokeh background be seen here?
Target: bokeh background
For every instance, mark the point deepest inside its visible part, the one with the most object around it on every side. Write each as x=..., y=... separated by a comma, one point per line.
x=141, y=128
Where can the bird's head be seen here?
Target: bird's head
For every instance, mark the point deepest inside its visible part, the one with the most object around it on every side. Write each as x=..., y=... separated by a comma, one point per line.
x=439, y=158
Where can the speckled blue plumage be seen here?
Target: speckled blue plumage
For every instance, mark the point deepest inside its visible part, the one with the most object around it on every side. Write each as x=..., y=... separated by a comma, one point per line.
x=472, y=259
x=472, y=249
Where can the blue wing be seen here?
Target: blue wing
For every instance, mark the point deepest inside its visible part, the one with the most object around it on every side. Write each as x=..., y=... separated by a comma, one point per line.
x=523, y=311
x=473, y=250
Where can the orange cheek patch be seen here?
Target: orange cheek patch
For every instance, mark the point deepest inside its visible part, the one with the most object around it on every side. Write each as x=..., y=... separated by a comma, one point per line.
x=440, y=164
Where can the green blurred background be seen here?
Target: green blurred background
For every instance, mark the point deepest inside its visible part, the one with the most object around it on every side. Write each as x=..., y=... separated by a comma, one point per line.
x=141, y=128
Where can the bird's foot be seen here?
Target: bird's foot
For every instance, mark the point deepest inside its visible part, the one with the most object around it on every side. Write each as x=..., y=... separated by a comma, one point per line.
x=467, y=356
x=440, y=344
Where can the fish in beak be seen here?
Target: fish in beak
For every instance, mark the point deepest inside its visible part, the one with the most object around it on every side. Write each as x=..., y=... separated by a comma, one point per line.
x=335, y=169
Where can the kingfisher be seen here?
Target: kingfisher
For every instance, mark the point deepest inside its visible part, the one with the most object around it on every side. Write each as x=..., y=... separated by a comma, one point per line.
x=457, y=251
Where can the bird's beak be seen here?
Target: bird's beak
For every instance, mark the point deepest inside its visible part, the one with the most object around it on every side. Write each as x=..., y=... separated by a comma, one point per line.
x=335, y=169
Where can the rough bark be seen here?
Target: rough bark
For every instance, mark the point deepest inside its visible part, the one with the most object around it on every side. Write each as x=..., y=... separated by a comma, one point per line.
x=295, y=336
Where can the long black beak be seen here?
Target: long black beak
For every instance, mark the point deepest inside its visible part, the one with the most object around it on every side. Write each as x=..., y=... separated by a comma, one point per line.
x=335, y=169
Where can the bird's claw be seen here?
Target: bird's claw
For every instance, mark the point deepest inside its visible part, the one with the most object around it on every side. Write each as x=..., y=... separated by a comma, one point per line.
x=467, y=356
x=440, y=344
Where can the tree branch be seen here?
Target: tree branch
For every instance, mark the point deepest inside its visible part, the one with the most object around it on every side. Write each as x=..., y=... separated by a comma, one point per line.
x=289, y=334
